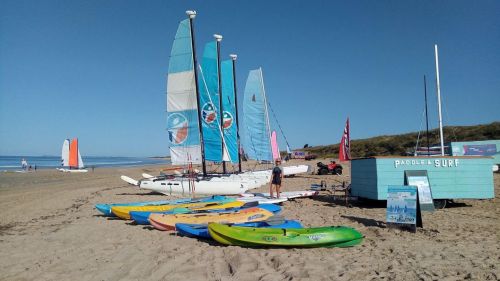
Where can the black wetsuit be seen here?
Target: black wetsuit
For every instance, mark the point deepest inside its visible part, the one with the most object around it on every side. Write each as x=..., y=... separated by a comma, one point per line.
x=276, y=175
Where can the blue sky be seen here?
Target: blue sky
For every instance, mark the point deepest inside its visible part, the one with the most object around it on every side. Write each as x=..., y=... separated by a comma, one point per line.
x=97, y=69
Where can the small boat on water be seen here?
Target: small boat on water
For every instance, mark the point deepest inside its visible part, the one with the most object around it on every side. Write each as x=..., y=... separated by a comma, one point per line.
x=71, y=159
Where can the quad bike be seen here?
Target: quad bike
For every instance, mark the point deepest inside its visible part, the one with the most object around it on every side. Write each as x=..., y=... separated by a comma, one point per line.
x=332, y=168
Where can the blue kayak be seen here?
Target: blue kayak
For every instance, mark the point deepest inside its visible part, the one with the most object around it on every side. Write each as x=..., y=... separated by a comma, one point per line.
x=201, y=230
x=106, y=208
x=143, y=217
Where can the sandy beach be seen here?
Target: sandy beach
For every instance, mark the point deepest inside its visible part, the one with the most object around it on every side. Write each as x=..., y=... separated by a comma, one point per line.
x=50, y=230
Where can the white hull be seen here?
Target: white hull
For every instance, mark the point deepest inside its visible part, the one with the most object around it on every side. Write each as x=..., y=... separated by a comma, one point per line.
x=224, y=184
x=297, y=169
x=262, y=200
x=286, y=194
x=211, y=186
x=72, y=171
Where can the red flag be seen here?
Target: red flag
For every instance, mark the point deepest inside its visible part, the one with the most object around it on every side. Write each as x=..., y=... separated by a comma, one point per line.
x=345, y=144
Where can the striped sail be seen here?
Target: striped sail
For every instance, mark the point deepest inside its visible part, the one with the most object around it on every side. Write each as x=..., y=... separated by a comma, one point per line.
x=256, y=120
x=208, y=85
x=182, y=106
x=229, y=114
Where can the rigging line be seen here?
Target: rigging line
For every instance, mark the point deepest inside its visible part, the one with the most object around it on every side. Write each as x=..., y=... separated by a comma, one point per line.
x=279, y=126
x=419, y=131
x=216, y=116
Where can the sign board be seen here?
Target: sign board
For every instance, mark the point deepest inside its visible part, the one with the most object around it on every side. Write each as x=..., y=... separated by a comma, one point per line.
x=419, y=179
x=402, y=205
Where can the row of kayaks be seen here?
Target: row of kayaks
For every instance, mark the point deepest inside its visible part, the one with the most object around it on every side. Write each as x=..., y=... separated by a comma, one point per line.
x=232, y=222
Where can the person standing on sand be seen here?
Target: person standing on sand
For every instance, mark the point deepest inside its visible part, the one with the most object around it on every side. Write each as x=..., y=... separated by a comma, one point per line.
x=276, y=177
x=24, y=164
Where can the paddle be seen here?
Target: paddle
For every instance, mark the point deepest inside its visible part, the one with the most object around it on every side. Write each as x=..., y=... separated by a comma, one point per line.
x=275, y=220
x=250, y=204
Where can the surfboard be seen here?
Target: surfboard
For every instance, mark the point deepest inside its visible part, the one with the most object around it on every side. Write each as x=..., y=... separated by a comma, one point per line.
x=262, y=200
x=286, y=194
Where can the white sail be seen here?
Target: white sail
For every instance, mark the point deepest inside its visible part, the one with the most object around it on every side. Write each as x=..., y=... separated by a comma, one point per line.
x=80, y=162
x=65, y=153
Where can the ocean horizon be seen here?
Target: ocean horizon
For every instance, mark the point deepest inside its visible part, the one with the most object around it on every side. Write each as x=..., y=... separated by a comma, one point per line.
x=13, y=162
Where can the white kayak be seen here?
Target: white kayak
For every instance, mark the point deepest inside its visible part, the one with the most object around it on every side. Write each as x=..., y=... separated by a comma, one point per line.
x=262, y=200
x=297, y=169
x=286, y=194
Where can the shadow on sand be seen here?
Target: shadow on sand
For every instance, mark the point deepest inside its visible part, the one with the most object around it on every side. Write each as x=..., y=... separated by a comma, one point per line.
x=339, y=200
x=367, y=222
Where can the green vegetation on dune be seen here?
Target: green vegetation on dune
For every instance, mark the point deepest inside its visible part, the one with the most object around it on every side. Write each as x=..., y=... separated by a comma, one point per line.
x=404, y=143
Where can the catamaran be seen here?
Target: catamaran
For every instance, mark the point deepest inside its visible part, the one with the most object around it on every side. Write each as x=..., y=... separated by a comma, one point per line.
x=198, y=123
x=260, y=144
x=71, y=159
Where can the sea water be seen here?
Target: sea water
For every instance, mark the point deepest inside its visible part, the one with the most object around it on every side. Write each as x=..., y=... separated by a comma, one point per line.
x=45, y=162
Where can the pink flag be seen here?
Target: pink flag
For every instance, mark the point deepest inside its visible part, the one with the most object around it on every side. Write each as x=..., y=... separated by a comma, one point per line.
x=345, y=144
x=274, y=146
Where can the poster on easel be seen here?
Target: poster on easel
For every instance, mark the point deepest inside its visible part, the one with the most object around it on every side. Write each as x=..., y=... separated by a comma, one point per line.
x=402, y=207
x=420, y=179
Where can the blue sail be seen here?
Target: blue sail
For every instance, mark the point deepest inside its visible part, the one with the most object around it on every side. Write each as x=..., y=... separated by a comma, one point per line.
x=208, y=85
x=257, y=138
x=229, y=114
x=182, y=106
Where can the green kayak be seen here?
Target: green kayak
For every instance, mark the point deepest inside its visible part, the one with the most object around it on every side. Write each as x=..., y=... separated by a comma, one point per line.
x=329, y=236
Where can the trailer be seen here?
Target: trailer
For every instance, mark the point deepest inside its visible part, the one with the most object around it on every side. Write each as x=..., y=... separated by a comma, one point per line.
x=450, y=177
x=478, y=148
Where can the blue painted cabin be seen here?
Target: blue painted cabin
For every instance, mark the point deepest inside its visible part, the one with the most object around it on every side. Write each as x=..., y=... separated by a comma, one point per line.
x=449, y=177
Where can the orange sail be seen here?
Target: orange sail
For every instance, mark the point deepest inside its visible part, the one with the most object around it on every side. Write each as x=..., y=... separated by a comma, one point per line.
x=73, y=153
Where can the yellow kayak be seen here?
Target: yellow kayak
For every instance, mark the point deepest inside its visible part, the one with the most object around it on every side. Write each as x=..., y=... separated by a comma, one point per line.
x=167, y=222
x=123, y=212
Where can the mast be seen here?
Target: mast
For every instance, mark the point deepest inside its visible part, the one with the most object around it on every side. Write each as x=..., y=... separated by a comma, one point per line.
x=218, y=38
x=439, y=100
x=233, y=58
x=192, y=15
x=265, y=104
x=426, y=117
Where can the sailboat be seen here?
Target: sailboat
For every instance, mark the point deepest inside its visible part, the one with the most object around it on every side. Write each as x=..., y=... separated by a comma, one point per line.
x=71, y=159
x=258, y=136
x=194, y=122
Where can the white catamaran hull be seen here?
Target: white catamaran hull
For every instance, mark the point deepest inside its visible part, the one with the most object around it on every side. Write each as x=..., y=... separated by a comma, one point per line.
x=212, y=186
x=297, y=169
x=286, y=194
x=72, y=171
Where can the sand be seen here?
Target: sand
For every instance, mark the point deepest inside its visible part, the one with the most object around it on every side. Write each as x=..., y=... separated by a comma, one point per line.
x=49, y=230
